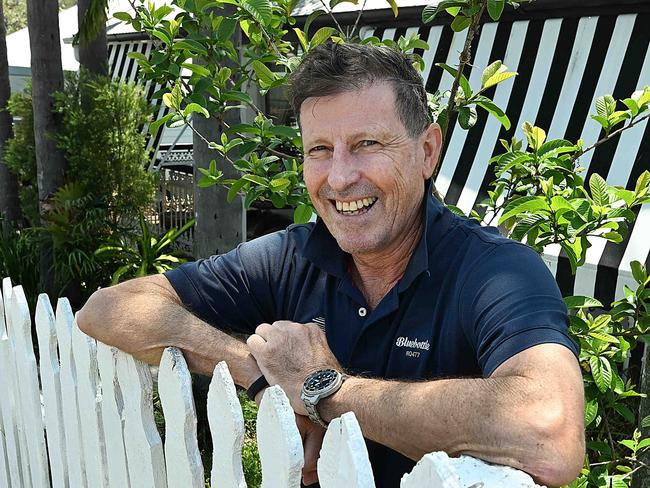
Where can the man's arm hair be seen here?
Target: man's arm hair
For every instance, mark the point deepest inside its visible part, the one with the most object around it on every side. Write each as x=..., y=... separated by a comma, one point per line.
x=528, y=414
x=144, y=315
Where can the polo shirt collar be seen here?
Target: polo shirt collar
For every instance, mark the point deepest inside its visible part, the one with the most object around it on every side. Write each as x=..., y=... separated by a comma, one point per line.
x=322, y=249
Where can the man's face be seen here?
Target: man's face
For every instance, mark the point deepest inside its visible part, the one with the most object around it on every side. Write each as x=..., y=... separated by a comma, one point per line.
x=364, y=174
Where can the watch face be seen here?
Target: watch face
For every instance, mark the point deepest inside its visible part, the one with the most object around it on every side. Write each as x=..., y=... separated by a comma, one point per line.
x=320, y=380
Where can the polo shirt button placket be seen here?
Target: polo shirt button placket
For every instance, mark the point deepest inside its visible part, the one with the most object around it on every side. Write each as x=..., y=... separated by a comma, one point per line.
x=362, y=312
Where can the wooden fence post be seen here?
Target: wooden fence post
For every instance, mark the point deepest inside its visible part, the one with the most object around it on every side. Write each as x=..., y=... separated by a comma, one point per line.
x=8, y=456
x=51, y=384
x=112, y=416
x=227, y=428
x=30, y=395
x=278, y=441
x=75, y=455
x=144, y=450
x=344, y=457
x=184, y=465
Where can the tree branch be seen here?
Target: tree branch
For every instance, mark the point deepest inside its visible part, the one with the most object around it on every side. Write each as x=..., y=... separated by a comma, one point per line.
x=610, y=136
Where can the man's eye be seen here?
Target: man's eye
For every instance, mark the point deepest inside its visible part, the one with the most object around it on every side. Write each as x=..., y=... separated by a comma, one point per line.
x=366, y=143
x=317, y=149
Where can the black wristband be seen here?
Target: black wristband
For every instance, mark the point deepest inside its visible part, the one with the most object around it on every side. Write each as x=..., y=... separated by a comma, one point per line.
x=258, y=385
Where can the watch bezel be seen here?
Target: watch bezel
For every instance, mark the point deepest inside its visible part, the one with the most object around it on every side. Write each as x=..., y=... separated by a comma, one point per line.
x=330, y=388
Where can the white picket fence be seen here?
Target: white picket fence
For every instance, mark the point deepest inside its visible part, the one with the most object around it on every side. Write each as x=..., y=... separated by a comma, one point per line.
x=91, y=423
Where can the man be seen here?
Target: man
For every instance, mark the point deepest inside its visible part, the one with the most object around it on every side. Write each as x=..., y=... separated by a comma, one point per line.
x=453, y=337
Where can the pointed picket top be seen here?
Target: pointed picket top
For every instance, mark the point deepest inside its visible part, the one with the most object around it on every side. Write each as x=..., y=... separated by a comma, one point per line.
x=75, y=455
x=51, y=384
x=112, y=416
x=7, y=290
x=90, y=413
x=30, y=395
x=344, y=457
x=227, y=428
x=184, y=465
x=472, y=471
x=144, y=449
x=434, y=470
x=278, y=441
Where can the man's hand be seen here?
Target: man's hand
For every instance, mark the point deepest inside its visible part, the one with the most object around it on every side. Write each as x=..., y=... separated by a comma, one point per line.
x=287, y=352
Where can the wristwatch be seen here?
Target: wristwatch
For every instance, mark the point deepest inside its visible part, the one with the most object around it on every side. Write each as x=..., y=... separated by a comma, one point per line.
x=318, y=385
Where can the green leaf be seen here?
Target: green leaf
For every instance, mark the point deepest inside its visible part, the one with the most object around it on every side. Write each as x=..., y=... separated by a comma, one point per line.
x=467, y=117
x=393, y=5
x=495, y=8
x=639, y=272
x=490, y=71
x=260, y=10
x=197, y=69
x=591, y=410
x=264, y=74
x=578, y=301
x=123, y=16
x=196, y=108
x=598, y=187
x=645, y=423
x=642, y=182
x=430, y=11
x=536, y=136
x=461, y=23
x=498, y=78
x=334, y=3
x=631, y=104
x=311, y=18
x=256, y=179
x=601, y=371
x=155, y=125
x=302, y=214
x=493, y=109
x=625, y=412
x=464, y=82
x=234, y=189
x=302, y=38
x=605, y=105
x=456, y=210
x=138, y=56
x=226, y=28
x=554, y=147
x=163, y=36
x=523, y=204
x=321, y=35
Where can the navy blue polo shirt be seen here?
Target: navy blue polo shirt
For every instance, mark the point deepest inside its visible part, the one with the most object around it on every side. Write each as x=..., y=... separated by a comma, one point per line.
x=469, y=300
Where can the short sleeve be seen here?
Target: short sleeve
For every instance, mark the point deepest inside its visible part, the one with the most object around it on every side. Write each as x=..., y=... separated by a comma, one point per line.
x=509, y=303
x=234, y=291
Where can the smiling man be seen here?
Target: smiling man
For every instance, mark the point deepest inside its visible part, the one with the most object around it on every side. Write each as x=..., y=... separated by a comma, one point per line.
x=438, y=333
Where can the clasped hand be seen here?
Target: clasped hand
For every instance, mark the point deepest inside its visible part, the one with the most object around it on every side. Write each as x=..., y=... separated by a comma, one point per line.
x=286, y=353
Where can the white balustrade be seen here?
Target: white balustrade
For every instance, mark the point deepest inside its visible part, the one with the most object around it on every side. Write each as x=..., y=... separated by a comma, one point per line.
x=98, y=413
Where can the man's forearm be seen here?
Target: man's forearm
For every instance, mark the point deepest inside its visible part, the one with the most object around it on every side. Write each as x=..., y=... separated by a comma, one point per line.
x=494, y=419
x=142, y=317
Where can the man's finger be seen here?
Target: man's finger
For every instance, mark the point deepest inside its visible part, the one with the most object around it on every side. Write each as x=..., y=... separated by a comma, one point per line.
x=255, y=343
x=265, y=331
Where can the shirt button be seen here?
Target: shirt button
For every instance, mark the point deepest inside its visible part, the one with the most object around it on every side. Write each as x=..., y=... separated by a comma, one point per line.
x=362, y=312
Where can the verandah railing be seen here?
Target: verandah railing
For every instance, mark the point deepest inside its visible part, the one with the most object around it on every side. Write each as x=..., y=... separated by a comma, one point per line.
x=90, y=421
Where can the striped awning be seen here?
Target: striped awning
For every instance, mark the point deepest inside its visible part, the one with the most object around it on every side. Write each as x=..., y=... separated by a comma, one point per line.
x=563, y=65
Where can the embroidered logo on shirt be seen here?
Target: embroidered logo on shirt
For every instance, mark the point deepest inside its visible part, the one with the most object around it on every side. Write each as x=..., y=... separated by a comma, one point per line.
x=412, y=344
x=320, y=321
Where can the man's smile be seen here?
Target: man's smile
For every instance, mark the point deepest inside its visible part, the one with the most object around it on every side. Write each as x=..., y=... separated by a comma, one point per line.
x=354, y=207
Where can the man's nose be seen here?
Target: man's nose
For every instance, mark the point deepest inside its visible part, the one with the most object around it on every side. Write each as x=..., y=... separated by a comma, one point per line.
x=344, y=170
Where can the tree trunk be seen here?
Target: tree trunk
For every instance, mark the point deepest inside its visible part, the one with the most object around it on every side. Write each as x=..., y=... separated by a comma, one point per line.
x=220, y=226
x=93, y=54
x=9, y=202
x=47, y=78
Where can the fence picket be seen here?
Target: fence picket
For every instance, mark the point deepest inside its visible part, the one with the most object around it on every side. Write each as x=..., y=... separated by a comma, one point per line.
x=30, y=395
x=15, y=413
x=144, y=450
x=472, y=471
x=84, y=351
x=434, y=470
x=51, y=384
x=227, y=428
x=344, y=457
x=184, y=465
x=74, y=453
x=6, y=440
x=112, y=416
x=278, y=441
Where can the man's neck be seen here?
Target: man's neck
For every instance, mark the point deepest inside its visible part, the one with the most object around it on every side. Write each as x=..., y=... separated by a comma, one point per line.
x=375, y=274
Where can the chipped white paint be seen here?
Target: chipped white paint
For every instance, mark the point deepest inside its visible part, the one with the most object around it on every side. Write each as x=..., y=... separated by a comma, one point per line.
x=13, y=415
x=112, y=416
x=90, y=414
x=51, y=384
x=227, y=428
x=433, y=470
x=74, y=453
x=278, y=441
x=184, y=465
x=144, y=450
x=344, y=457
x=30, y=395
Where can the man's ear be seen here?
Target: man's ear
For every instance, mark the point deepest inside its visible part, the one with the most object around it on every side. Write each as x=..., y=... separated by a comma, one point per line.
x=431, y=140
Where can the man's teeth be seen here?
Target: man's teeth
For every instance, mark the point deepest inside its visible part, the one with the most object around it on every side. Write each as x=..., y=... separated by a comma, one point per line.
x=355, y=206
